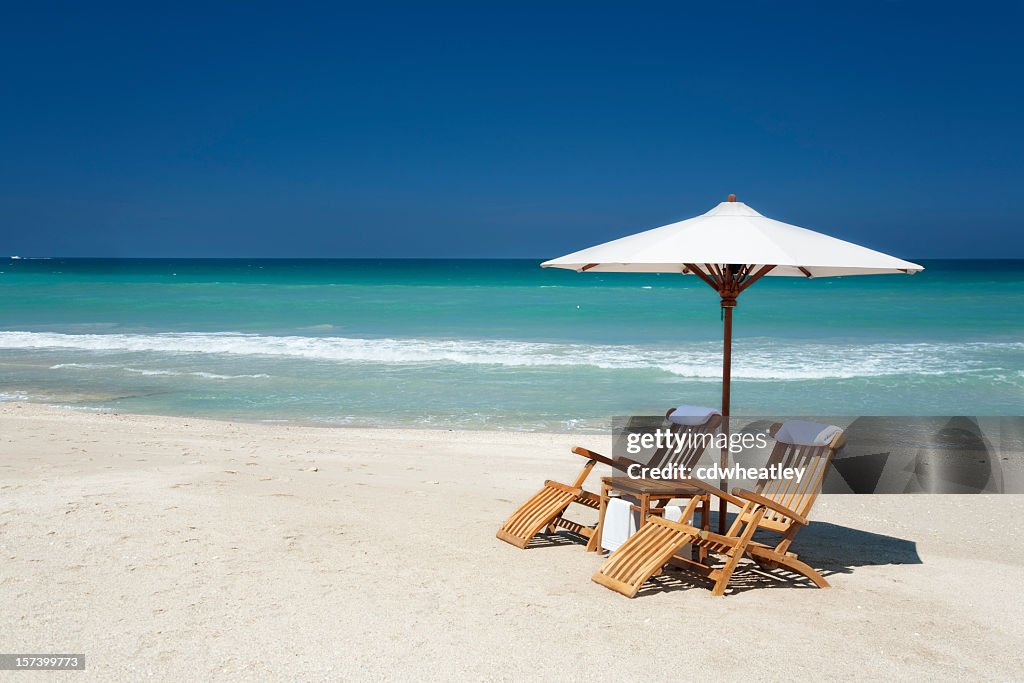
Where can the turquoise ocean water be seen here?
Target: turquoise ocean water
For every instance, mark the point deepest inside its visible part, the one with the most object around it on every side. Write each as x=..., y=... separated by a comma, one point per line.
x=495, y=344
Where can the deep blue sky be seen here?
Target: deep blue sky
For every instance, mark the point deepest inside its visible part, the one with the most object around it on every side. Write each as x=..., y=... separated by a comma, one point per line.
x=476, y=130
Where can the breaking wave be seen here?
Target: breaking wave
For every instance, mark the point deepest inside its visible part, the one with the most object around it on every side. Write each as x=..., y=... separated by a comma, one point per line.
x=154, y=372
x=753, y=359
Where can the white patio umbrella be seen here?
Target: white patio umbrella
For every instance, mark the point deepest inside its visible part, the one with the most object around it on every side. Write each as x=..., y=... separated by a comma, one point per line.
x=730, y=248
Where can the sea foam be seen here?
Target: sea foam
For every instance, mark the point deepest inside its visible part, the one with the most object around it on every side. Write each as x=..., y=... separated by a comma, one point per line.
x=753, y=359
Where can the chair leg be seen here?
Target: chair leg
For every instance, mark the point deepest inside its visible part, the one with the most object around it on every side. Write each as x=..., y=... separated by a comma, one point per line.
x=725, y=573
x=806, y=570
x=736, y=553
x=788, y=561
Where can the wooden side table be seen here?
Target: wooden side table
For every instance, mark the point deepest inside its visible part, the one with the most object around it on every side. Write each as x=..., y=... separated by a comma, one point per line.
x=653, y=495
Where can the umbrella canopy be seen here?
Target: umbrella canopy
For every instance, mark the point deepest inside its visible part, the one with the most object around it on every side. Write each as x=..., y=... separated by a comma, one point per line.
x=730, y=248
x=733, y=233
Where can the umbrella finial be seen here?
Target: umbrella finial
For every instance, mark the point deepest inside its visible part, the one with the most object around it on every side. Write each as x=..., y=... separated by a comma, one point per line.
x=731, y=198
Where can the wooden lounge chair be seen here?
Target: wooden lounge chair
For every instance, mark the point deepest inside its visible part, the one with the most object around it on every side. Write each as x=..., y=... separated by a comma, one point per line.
x=779, y=506
x=544, y=510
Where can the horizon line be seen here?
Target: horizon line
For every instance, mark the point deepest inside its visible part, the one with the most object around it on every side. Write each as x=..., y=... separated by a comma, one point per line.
x=406, y=258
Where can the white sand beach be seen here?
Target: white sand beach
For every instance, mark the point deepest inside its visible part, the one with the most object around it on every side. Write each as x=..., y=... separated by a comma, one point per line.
x=183, y=549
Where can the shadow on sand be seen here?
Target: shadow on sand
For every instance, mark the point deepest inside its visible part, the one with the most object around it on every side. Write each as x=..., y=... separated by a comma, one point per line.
x=829, y=548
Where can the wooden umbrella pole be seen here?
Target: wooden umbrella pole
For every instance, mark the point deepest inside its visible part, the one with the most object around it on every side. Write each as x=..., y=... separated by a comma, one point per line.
x=729, y=280
x=726, y=359
x=728, y=304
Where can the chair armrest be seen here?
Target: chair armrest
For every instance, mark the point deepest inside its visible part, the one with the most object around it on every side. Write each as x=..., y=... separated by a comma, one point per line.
x=623, y=463
x=591, y=455
x=771, y=505
x=620, y=462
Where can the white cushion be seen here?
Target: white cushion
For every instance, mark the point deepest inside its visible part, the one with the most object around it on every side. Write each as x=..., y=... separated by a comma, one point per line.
x=691, y=416
x=805, y=433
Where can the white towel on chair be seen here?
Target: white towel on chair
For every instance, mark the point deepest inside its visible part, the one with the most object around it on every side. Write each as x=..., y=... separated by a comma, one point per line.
x=621, y=521
x=674, y=513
